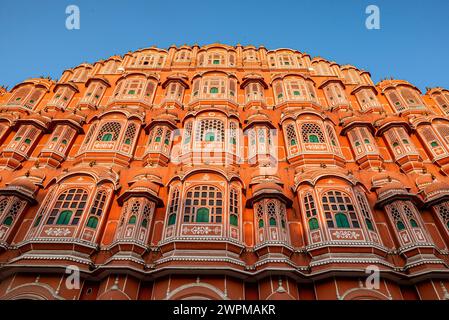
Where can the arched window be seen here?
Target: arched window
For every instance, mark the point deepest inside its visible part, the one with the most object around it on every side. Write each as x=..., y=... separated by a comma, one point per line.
x=19, y=95
x=254, y=92
x=292, y=139
x=312, y=133
x=260, y=215
x=439, y=98
x=271, y=208
x=173, y=207
x=333, y=139
x=339, y=210
x=10, y=208
x=395, y=100
x=135, y=219
x=296, y=89
x=24, y=139
x=365, y=211
x=397, y=219
x=61, y=137
x=311, y=212
x=210, y=130
x=233, y=208
x=89, y=136
x=68, y=208
x=411, y=217
x=203, y=203
x=335, y=94
x=97, y=209
x=443, y=213
x=110, y=131
x=27, y=96
x=233, y=133
x=62, y=97
x=182, y=56
x=278, y=91
x=187, y=135
x=398, y=139
x=135, y=88
x=129, y=134
x=409, y=96
x=174, y=91
x=432, y=141
x=250, y=55
x=406, y=220
x=270, y=217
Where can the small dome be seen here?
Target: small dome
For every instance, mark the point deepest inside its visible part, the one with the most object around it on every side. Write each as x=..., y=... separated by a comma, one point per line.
x=392, y=83
x=435, y=187
x=76, y=117
x=258, y=116
x=267, y=187
x=167, y=116
x=396, y=185
x=424, y=180
x=41, y=118
x=145, y=185
x=37, y=174
x=23, y=183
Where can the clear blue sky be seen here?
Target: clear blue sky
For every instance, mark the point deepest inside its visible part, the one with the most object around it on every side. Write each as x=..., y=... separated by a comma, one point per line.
x=412, y=43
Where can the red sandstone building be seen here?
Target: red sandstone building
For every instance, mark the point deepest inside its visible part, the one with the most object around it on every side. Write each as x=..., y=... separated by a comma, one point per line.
x=223, y=172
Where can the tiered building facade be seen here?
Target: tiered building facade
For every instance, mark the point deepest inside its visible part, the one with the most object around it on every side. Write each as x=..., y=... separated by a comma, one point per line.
x=222, y=172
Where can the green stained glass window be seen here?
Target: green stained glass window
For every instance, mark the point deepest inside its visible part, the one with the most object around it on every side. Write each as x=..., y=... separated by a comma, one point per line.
x=202, y=215
x=233, y=220
x=132, y=220
x=413, y=223
x=172, y=219
x=400, y=225
x=107, y=137
x=313, y=138
x=92, y=222
x=342, y=220
x=369, y=224
x=210, y=136
x=7, y=221
x=64, y=217
x=313, y=224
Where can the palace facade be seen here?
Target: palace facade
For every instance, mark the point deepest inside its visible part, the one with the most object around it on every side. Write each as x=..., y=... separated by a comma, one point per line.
x=223, y=172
